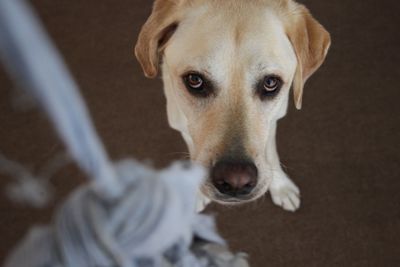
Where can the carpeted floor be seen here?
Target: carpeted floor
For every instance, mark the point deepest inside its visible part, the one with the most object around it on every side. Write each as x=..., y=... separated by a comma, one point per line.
x=342, y=149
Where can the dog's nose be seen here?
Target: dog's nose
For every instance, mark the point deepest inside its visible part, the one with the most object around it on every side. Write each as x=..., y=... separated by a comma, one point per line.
x=234, y=178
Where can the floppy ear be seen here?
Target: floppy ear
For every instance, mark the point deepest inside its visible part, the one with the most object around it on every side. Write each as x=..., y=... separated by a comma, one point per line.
x=155, y=33
x=311, y=42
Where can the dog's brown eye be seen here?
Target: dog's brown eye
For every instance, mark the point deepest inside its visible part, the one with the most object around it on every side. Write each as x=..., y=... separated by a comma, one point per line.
x=271, y=83
x=194, y=81
x=269, y=86
x=197, y=85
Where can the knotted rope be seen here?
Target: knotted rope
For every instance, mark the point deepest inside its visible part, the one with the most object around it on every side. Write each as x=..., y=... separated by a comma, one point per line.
x=128, y=215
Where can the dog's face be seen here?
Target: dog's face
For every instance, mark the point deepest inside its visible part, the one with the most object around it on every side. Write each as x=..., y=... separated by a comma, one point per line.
x=228, y=67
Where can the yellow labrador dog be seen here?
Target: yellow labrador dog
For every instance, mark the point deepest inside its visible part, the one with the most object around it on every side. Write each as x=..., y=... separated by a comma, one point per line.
x=227, y=68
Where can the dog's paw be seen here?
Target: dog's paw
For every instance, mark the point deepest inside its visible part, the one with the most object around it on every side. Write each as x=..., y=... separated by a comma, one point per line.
x=285, y=193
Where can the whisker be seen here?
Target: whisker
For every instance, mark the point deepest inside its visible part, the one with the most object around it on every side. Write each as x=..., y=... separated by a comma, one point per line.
x=185, y=155
x=286, y=168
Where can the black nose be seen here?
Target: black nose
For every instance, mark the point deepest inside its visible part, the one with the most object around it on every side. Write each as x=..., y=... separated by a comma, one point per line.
x=234, y=178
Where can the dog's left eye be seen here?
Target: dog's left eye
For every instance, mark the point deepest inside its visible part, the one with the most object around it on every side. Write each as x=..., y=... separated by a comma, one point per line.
x=269, y=86
x=271, y=83
x=196, y=84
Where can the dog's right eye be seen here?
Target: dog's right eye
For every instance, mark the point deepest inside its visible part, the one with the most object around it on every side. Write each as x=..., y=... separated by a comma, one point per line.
x=194, y=81
x=196, y=85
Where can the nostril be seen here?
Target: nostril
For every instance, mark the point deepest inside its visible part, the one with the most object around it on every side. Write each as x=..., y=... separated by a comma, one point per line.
x=225, y=187
x=247, y=188
x=234, y=178
x=249, y=185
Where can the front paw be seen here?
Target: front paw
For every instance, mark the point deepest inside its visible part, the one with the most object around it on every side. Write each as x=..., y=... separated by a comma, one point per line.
x=284, y=192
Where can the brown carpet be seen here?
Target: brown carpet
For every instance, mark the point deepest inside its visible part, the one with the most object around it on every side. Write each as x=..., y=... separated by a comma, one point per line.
x=341, y=149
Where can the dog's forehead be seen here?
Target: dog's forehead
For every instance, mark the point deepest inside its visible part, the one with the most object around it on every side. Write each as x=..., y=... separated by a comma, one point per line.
x=219, y=40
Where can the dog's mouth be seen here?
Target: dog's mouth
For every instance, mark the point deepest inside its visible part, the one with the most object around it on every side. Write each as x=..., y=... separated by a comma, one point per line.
x=224, y=199
x=209, y=190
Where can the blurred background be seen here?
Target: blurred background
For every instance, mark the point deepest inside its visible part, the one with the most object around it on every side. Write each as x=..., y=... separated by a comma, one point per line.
x=341, y=149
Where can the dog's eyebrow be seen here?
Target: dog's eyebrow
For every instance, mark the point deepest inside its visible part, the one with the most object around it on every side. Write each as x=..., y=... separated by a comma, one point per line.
x=273, y=68
x=276, y=69
x=204, y=69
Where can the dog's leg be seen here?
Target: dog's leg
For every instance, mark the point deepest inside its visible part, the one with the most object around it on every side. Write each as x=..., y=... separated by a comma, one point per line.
x=283, y=191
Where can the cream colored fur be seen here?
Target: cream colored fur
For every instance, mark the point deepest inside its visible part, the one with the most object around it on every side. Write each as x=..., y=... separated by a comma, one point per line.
x=235, y=42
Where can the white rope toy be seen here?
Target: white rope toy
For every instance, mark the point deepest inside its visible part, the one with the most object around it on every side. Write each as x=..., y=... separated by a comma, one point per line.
x=128, y=215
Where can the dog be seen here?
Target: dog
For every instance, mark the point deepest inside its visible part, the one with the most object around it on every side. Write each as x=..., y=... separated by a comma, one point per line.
x=227, y=68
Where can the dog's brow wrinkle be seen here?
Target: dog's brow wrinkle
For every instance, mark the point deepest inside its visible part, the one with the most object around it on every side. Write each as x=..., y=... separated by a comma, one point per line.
x=270, y=68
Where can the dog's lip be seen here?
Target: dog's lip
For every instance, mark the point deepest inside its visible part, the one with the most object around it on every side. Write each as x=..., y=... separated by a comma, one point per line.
x=225, y=199
x=212, y=192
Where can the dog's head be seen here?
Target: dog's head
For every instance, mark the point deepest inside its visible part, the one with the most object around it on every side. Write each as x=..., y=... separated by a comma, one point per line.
x=227, y=68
